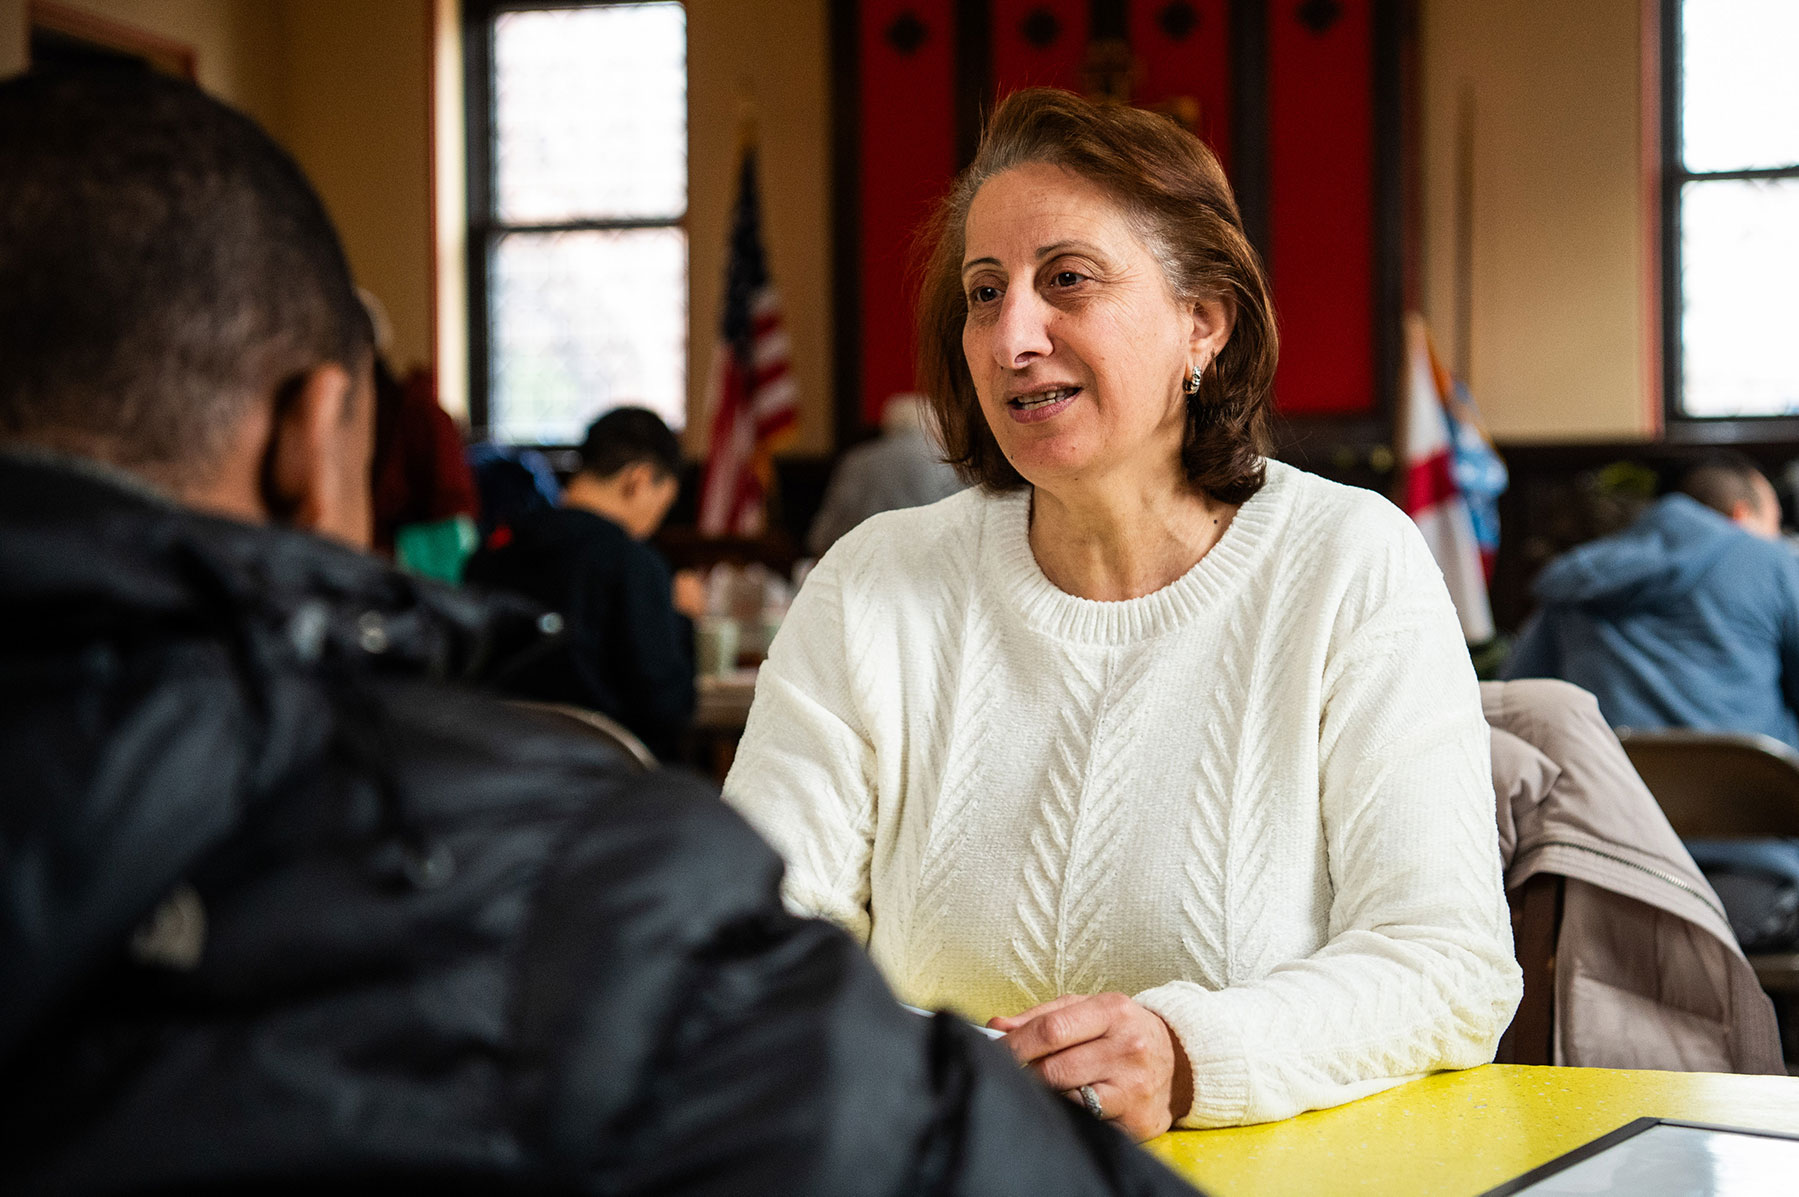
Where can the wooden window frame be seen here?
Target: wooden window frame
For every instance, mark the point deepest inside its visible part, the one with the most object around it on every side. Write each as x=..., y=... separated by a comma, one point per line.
x=1677, y=424
x=484, y=228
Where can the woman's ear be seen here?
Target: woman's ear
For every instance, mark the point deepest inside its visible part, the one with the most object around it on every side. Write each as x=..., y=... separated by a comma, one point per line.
x=1213, y=320
x=316, y=470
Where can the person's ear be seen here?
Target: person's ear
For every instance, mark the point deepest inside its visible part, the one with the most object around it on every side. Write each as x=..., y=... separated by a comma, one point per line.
x=1213, y=320
x=315, y=471
x=636, y=479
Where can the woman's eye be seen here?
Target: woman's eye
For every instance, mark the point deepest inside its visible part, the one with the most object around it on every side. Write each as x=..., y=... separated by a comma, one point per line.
x=983, y=294
x=1065, y=278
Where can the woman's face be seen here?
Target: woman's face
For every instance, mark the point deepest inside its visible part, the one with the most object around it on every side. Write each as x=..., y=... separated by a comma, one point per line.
x=1075, y=342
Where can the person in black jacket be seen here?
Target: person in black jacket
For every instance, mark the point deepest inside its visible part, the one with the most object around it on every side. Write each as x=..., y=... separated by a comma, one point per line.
x=286, y=901
x=625, y=651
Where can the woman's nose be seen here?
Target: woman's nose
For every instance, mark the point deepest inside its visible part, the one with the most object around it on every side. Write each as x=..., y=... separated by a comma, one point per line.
x=1022, y=331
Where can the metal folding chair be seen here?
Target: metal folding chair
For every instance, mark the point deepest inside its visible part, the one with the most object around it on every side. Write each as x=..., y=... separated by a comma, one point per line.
x=599, y=725
x=1724, y=785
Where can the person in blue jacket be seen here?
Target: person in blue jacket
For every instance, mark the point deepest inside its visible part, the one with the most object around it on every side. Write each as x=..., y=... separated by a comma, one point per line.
x=1687, y=618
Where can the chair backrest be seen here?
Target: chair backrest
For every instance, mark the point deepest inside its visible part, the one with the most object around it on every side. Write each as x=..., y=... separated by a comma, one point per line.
x=599, y=725
x=1718, y=784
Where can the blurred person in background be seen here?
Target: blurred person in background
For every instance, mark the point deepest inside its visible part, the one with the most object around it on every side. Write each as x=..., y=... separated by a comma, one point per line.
x=1687, y=618
x=625, y=650
x=424, y=495
x=510, y=480
x=904, y=467
x=287, y=901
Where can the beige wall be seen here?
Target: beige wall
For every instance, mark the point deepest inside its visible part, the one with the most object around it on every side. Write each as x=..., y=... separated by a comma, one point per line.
x=236, y=43
x=344, y=84
x=1561, y=341
x=776, y=52
x=359, y=120
x=12, y=36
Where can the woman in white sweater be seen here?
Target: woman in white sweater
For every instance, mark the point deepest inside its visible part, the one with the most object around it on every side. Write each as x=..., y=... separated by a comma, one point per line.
x=1165, y=758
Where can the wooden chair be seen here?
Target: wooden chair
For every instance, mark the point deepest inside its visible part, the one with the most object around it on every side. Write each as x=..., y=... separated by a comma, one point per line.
x=596, y=724
x=1720, y=785
x=1536, y=925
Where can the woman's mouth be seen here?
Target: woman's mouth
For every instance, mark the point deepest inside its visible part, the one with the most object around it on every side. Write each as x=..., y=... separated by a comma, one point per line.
x=1033, y=406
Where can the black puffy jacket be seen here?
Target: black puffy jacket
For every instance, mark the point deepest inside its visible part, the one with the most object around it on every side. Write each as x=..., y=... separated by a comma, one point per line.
x=409, y=933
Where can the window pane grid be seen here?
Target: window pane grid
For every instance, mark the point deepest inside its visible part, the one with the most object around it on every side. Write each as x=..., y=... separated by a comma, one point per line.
x=587, y=194
x=584, y=322
x=1739, y=254
x=1732, y=208
x=590, y=113
x=1739, y=103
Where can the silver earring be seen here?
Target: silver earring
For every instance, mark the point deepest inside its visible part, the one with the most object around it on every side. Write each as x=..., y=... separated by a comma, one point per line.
x=1190, y=384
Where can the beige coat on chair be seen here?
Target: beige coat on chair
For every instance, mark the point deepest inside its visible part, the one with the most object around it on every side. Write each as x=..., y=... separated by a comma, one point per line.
x=1647, y=972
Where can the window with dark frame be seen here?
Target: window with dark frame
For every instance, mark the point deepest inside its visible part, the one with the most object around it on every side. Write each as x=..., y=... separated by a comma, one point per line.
x=1730, y=210
x=577, y=202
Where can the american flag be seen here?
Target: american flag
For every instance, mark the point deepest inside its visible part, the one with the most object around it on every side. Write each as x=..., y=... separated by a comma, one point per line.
x=752, y=393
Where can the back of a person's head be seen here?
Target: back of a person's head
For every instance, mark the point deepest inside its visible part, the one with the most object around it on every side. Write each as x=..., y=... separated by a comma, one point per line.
x=1723, y=480
x=165, y=267
x=625, y=436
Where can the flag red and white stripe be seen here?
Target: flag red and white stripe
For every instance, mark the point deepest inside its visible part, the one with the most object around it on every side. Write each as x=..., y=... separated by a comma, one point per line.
x=751, y=395
x=1430, y=495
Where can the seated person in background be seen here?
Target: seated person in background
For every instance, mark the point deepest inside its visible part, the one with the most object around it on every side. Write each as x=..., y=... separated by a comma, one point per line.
x=1166, y=758
x=424, y=497
x=903, y=468
x=405, y=933
x=1687, y=618
x=510, y=480
x=625, y=650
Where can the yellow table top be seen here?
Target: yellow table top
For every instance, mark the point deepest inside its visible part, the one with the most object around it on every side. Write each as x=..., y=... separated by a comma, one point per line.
x=1461, y=1133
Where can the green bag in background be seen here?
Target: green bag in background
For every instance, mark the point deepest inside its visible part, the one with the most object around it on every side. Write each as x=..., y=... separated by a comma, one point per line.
x=438, y=549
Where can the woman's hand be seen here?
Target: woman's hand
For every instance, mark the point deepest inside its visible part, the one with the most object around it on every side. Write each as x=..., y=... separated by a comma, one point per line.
x=1127, y=1053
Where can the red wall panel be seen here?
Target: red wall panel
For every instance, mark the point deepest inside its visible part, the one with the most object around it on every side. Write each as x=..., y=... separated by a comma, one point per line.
x=908, y=158
x=1018, y=63
x=1321, y=206
x=1193, y=62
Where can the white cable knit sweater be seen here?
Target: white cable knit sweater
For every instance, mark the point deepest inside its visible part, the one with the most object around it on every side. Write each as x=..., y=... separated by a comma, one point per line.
x=1259, y=800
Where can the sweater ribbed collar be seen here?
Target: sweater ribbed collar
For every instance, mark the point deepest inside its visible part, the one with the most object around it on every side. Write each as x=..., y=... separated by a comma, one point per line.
x=1220, y=573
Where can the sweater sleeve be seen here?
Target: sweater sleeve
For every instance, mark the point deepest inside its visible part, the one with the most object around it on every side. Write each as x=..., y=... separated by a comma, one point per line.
x=804, y=771
x=1418, y=972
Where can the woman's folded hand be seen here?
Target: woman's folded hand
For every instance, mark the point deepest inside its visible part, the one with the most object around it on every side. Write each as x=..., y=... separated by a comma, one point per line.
x=1125, y=1053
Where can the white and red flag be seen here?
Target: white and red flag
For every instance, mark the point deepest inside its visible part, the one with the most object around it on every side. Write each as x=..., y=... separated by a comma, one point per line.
x=752, y=395
x=1430, y=491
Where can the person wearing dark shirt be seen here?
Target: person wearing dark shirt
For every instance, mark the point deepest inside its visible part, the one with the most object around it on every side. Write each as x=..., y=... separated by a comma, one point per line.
x=625, y=651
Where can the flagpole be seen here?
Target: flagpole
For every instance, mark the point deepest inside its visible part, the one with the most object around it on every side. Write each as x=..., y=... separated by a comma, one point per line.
x=752, y=397
x=746, y=116
x=1464, y=236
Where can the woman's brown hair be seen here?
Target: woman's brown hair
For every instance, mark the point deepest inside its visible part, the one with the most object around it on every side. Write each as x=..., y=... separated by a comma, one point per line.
x=1176, y=196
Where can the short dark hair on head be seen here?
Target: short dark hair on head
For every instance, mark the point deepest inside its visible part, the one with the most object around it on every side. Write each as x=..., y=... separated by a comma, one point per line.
x=625, y=436
x=163, y=265
x=1175, y=193
x=1721, y=480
